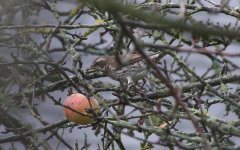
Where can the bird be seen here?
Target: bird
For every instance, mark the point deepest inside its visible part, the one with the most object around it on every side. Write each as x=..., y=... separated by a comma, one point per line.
x=128, y=68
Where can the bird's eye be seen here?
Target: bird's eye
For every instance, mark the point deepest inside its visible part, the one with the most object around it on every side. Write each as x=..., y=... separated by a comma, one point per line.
x=97, y=64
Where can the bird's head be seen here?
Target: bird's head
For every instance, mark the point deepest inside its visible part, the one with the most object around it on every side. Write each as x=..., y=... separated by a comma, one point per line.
x=103, y=63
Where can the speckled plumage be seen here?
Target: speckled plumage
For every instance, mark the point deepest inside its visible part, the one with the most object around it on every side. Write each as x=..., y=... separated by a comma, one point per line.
x=130, y=67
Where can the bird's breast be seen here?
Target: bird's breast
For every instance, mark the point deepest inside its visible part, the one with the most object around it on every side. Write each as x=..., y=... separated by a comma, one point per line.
x=135, y=72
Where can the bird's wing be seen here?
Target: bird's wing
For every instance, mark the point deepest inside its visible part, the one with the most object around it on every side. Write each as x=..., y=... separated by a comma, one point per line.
x=128, y=59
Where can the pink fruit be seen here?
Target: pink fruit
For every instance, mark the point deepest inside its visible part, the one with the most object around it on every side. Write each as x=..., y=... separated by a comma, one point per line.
x=83, y=105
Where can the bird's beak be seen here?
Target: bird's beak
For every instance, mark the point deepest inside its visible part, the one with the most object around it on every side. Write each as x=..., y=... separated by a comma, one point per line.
x=91, y=70
x=94, y=70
